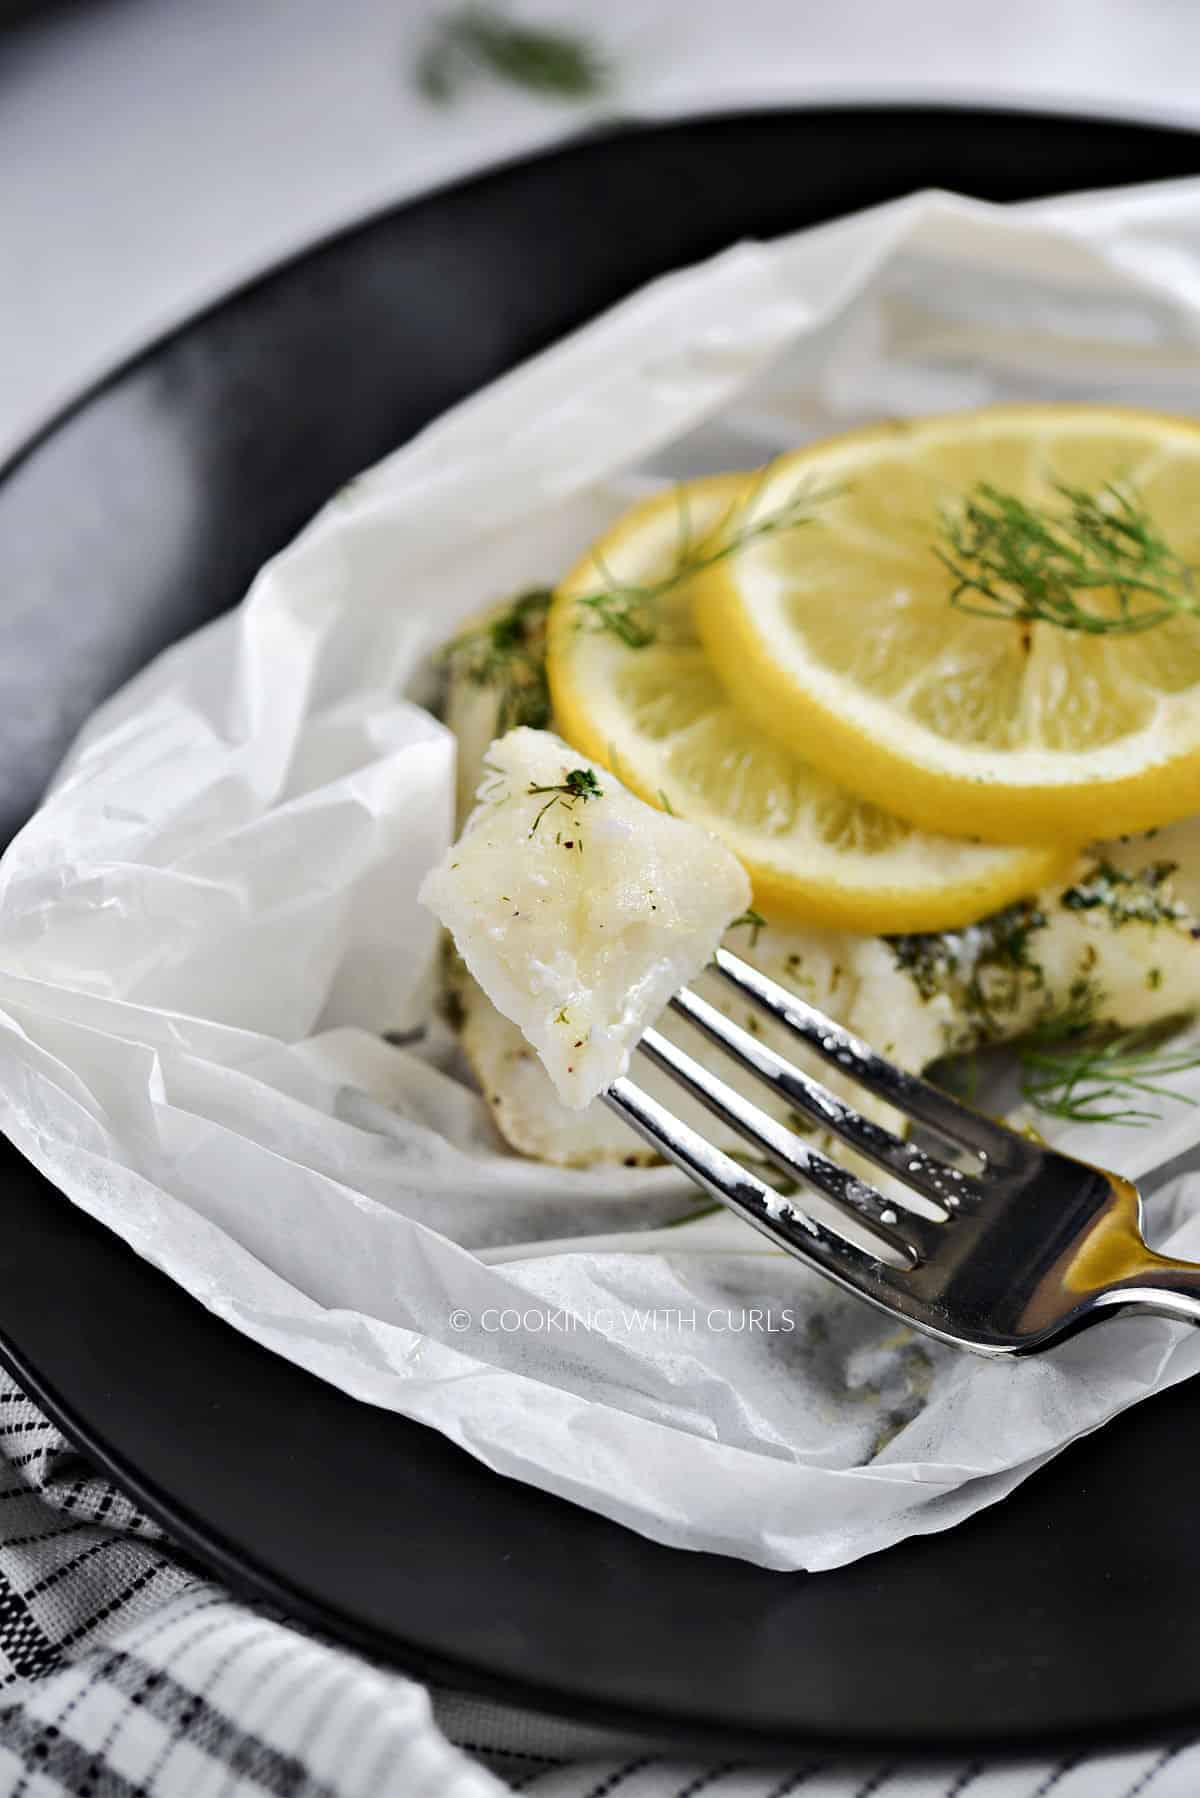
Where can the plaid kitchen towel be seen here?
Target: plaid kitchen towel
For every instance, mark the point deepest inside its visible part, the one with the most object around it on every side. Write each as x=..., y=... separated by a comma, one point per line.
x=125, y=1673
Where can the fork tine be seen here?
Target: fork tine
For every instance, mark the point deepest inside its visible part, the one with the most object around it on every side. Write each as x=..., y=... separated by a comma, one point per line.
x=752, y=1199
x=915, y=1097
x=788, y=1152
x=947, y=1186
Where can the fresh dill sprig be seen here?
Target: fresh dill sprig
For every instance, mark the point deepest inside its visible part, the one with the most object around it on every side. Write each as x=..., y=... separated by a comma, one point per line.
x=629, y=608
x=579, y=784
x=480, y=39
x=1029, y=564
x=753, y=920
x=1097, y=1078
x=509, y=654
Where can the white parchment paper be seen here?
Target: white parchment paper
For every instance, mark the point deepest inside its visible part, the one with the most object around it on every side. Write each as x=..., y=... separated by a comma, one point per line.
x=213, y=916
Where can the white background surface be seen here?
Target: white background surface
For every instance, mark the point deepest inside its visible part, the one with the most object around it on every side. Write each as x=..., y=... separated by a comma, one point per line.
x=153, y=152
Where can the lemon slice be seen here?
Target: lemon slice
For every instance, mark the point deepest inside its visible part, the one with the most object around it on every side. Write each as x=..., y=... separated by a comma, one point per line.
x=657, y=715
x=842, y=639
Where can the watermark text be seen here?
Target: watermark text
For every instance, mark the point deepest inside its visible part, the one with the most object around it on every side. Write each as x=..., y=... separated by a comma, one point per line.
x=626, y=1320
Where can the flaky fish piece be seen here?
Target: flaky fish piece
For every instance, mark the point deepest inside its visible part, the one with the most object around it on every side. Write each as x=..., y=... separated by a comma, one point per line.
x=578, y=908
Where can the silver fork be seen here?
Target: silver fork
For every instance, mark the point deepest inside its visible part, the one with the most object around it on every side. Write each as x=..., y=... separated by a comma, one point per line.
x=1003, y=1261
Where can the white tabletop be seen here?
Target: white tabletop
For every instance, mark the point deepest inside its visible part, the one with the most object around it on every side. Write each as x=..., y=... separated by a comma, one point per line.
x=154, y=152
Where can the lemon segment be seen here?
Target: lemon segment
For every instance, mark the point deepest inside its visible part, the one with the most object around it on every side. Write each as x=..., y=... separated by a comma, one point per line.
x=660, y=718
x=840, y=638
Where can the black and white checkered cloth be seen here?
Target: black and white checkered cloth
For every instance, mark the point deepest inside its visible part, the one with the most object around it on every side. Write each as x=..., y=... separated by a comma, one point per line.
x=125, y=1673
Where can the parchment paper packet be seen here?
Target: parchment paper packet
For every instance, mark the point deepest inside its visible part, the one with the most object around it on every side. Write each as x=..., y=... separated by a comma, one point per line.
x=212, y=918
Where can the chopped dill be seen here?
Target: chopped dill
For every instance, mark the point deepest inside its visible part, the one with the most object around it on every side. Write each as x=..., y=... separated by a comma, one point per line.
x=754, y=922
x=480, y=39
x=629, y=609
x=509, y=654
x=1007, y=965
x=1127, y=898
x=993, y=960
x=579, y=784
x=1050, y=564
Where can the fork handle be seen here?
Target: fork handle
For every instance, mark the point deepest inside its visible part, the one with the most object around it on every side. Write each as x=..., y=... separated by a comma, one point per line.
x=1162, y=1288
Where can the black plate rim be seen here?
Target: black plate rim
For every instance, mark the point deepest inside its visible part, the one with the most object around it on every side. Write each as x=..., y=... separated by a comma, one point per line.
x=238, y=1568
x=589, y=138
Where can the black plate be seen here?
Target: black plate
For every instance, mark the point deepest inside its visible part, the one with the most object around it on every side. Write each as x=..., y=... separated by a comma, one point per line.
x=1067, y=1614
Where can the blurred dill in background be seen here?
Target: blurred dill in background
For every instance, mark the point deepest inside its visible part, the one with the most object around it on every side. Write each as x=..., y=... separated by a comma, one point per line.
x=475, y=40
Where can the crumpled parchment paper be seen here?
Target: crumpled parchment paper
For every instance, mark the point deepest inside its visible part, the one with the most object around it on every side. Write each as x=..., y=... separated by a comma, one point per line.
x=212, y=918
